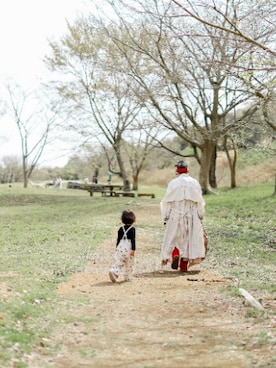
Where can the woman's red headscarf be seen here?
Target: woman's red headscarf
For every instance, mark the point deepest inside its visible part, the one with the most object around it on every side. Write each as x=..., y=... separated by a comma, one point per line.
x=182, y=168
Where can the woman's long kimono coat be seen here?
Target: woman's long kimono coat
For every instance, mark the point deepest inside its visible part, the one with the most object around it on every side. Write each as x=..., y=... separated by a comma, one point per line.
x=182, y=210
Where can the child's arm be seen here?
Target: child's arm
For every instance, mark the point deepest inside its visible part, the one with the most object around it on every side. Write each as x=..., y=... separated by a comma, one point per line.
x=133, y=241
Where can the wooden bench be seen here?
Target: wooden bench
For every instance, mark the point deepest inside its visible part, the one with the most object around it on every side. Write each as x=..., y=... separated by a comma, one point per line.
x=146, y=195
x=106, y=190
x=124, y=194
x=101, y=190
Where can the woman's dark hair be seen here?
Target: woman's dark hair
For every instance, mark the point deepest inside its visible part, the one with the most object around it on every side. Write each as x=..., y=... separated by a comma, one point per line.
x=128, y=217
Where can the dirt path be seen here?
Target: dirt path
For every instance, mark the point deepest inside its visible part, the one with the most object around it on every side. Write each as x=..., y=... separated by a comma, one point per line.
x=161, y=319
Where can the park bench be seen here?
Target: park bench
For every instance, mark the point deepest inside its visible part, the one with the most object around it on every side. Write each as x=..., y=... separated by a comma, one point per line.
x=105, y=190
x=100, y=189
x=109, y=190
x=146, y=195
x=93, y=188
x=124, y=194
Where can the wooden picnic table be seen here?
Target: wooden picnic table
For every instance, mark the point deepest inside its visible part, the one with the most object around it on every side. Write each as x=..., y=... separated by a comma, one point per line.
x=112, y=190
x=105, y=189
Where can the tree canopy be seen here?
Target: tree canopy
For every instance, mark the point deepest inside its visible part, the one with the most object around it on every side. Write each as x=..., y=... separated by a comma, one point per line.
x=189, y=66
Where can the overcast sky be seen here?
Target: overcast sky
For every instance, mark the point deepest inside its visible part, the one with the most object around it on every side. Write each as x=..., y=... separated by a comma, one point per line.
x=25, y=27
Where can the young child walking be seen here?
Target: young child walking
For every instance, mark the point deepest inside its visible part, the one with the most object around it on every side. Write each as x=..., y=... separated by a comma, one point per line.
x=125, y=248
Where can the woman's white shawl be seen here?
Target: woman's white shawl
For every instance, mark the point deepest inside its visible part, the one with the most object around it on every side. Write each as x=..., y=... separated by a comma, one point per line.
x=182, y=209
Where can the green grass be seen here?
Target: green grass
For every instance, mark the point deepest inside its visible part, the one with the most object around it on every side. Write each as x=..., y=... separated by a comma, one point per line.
x=46, y=236
x=255, y=156
x=241, y=225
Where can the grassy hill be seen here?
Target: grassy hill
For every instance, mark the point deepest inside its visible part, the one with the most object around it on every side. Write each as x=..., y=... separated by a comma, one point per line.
x=253, y=167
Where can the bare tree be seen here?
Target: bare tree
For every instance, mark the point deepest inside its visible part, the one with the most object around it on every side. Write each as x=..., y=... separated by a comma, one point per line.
x=11, y=169
x=253, y=12
x=138, y=145
x=254, y=23
x=98, y=95
x=188, y=73
x=34, y=126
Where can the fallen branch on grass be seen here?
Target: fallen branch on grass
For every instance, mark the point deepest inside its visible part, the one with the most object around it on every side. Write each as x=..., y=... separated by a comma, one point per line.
x=251, y=300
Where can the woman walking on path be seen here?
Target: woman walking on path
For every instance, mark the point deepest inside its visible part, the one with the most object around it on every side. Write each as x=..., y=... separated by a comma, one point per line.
x=182, y=211
x=125, y=248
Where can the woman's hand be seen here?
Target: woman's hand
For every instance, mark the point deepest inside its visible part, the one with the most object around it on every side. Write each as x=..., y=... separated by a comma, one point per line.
x=132, y=253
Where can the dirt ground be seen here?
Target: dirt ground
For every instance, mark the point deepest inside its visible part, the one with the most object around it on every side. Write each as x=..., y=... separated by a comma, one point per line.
x=162, y=318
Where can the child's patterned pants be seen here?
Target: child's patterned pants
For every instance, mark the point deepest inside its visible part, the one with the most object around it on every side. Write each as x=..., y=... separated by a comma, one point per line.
x=123, y=260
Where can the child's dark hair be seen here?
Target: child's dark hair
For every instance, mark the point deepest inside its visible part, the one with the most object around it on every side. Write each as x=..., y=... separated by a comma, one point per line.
x=128, y=217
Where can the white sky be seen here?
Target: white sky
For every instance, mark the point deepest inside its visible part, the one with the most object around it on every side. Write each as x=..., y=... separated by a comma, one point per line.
x=25, y=28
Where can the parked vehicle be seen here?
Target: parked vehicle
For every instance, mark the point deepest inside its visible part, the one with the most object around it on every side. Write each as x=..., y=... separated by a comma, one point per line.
x=73, y=185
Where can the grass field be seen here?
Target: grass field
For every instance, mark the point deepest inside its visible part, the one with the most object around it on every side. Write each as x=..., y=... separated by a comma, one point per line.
x=47, y=235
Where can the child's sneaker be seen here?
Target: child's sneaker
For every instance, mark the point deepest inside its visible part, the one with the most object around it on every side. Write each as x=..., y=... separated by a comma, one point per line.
x=112, y=276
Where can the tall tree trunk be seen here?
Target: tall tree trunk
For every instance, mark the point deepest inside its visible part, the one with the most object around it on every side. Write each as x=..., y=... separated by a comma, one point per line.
x=212, y=172
x=135, y=182
x=205, y=163
x=121, y=165
x=25, y=172
x=233, y=170
x=232, y=162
